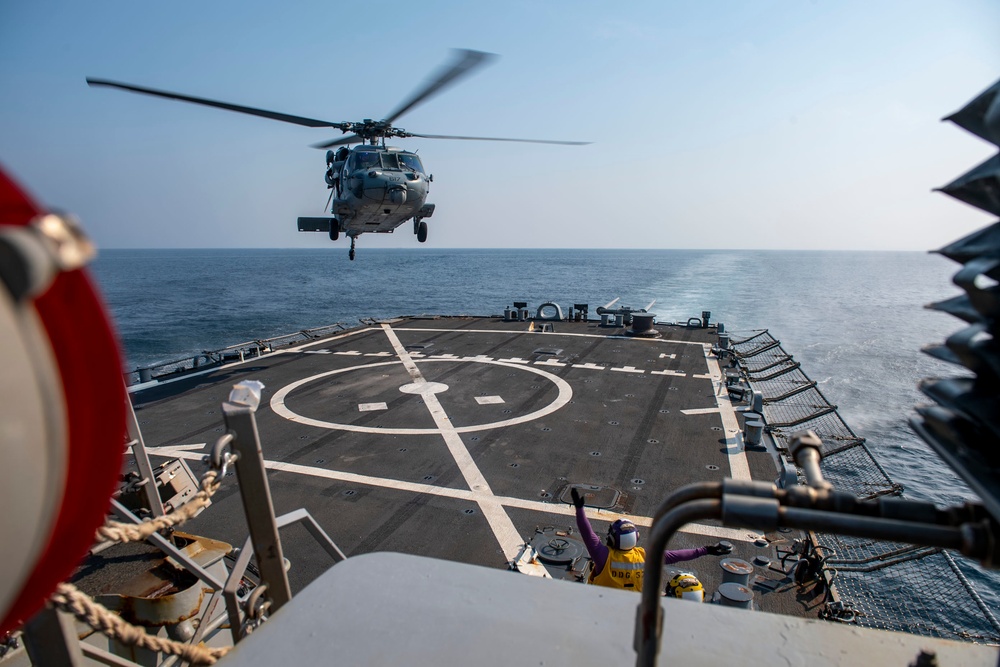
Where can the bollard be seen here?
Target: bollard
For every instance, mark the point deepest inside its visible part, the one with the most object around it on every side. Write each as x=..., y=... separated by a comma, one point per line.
x=145, y=375
x=736, y=570
x=757, y=401
x=735, y=595
x=724, y=341
x=753, y=433
x=750, y=416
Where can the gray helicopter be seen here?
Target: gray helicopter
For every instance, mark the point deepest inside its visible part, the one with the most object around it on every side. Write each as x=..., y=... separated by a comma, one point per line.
x=373, y=187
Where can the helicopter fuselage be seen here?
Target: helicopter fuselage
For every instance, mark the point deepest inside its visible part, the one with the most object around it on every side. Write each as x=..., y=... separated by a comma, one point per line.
x=376, y=189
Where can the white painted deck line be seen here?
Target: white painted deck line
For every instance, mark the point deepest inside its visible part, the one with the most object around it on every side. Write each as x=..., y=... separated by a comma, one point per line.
x=549, y=362
x=503, y=528
x=701, y=411
x=653, y=341
x=277, y=402
x=590, y=366
x=316, y=352
x=627, y=369
x=707, y=376
x=516, y=360
x=371, y=407
x=187, y=448
x=679, y=374
x=378, y=354
x=667, y=356
x=349, y=353
x=718, y=532
x=738, y=466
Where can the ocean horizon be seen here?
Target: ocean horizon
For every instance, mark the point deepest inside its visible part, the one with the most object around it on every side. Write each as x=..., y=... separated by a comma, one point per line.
x=855, y=320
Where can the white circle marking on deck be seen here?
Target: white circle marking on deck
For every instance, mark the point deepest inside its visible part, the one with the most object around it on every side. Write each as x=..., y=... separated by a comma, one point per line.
x=279, y=407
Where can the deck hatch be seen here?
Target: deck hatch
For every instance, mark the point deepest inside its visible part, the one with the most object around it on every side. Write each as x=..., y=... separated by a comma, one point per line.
x=598, y=497
x=548, y=351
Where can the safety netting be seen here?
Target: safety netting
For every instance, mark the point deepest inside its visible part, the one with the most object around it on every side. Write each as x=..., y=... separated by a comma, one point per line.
x=874, y=584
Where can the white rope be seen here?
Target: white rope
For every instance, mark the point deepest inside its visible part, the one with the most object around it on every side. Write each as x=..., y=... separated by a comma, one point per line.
x=117, y=531
x=70, y=599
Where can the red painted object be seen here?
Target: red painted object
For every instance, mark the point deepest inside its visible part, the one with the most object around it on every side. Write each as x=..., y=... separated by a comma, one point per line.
x=89, y=364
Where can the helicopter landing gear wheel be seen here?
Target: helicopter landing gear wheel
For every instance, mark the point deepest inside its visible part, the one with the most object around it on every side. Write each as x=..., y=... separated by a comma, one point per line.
x=351, y=252
x=422, y=231
x=334, y=229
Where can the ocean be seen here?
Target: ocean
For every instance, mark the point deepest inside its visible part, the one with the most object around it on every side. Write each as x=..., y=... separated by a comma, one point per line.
x=855, y=320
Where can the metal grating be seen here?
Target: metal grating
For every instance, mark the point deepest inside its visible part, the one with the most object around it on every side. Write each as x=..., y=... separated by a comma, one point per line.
x=881, y=584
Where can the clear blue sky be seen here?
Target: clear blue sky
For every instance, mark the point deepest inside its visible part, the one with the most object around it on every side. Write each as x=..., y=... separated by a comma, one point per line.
x=784, y=124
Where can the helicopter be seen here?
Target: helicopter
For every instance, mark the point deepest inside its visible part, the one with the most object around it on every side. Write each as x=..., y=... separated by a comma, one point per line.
x=373, y=187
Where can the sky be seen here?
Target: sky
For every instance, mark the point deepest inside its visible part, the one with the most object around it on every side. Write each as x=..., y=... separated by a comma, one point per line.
x=770, y=124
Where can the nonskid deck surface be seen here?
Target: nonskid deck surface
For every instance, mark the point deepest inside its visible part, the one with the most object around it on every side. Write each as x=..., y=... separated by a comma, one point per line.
x=456, y=438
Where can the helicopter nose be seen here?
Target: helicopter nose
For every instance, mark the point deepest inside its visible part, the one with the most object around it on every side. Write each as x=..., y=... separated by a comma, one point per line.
x=397, y=195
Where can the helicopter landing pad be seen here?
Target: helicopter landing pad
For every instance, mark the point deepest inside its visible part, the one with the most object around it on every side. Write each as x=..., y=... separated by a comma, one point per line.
x=458, y=437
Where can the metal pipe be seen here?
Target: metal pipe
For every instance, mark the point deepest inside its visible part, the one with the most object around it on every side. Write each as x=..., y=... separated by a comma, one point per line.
x=755, y=505
x=229, y=592
x=649, y=616
x=688, y=492
x=152, y=493
x=255, y=493
x=303, y=516
x=865, y=526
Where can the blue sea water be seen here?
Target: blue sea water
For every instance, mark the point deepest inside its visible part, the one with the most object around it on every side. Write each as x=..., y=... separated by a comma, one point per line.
x=855, y=320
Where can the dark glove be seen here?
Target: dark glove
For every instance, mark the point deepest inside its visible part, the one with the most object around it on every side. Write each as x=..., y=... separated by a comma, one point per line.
x=577, y=498
x=720, y=549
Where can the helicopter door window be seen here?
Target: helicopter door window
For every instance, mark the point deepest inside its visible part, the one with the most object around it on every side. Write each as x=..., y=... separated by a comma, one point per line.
x=411, y=162
x=389, y=161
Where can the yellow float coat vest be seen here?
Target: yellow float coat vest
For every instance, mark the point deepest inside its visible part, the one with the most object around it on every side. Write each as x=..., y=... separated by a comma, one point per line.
x=623, y=570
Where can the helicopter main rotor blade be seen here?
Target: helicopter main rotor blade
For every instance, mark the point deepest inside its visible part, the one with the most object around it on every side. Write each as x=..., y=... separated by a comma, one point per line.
x=343, y=141
x=464, y=62
x=524, y=141
x=273, y=115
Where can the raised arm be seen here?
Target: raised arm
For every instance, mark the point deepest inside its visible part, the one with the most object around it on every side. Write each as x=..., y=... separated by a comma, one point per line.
x=598, y=552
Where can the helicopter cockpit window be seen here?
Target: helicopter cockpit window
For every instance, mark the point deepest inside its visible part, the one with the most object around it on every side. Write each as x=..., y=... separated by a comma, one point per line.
x=411, y=162
x=389, y=161
x=365, y=160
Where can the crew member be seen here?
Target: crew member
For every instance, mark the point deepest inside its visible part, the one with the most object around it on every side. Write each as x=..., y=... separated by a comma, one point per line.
x=619, y=564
